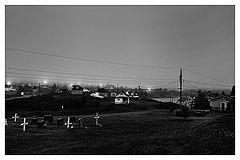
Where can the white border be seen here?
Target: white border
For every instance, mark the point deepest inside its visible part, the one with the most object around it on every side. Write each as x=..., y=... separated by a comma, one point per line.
x=114, y=2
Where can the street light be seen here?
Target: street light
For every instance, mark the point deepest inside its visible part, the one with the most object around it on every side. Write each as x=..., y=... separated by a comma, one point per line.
x=8, y=83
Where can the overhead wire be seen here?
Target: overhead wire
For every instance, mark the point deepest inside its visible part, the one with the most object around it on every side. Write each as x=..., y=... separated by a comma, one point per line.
x=208, y=84
x=85, y=77
x=210, y=78
x=88, y=75
x=21, y=51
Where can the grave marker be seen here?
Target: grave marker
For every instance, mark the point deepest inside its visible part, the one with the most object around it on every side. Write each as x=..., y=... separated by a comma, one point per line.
x=97, y=117
x=60, y=122
x=24, y=124
x=69, y=124
x=34, y=121
x=42, y=124
x=15, y=117
x=80, y=123
x=46, y=118
x=50, y=118
x=6, y=122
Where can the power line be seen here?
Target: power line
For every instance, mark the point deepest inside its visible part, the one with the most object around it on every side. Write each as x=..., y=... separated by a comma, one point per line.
x=65, y=80
x=75, y=79
x=167, y=84
x=204, y=76
x=188, y=87
x=84, y=78
x=191, y=85
x=211, y=84
x=85, y=59
x=44, y=71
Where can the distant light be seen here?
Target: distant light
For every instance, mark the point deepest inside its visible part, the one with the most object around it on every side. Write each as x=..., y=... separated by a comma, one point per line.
x=100, y=85
x=45, y=82
x=9, y=83
x=149, y=89
x=71, y=84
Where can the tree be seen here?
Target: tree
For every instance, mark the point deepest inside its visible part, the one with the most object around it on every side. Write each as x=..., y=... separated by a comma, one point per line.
x=216, y=94
x=233, y=91
x=201, y=102
x=223, y=93
x=53, y=89
x=20, y=89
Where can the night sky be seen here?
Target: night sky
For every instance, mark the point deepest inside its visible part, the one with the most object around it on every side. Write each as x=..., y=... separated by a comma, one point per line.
x=124, y=45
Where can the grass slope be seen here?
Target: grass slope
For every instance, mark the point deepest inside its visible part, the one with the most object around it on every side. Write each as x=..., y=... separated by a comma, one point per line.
x=51, y=104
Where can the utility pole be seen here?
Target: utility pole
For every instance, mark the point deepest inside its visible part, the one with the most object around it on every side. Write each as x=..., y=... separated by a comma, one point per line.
x=170, y=96
x=39, y=88
x=139, y=90
x=180, y=78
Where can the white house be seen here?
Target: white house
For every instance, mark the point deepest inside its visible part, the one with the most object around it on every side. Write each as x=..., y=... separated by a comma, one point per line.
x=122, y=98
x=77, y=90
x=222, y=103
x=96, y=94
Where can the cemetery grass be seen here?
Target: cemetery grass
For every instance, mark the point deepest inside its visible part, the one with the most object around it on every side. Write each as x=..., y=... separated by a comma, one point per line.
x=140, y=132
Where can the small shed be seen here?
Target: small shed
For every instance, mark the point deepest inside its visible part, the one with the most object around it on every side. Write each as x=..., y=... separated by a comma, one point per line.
x=222, y=103
x=77, y=90
x=122, y=98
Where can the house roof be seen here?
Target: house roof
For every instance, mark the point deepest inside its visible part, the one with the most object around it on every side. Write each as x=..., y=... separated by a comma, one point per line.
x=221, y=97
x=77, y=87
x=102, y=90
x=121, y=94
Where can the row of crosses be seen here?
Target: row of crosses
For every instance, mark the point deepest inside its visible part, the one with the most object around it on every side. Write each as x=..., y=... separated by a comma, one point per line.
x=68, y=124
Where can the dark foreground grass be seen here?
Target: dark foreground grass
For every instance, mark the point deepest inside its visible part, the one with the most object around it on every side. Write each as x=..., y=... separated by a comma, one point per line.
x=148, y=132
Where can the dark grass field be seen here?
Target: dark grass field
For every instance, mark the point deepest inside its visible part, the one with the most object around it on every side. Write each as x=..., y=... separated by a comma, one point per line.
x=81, y=105
x=137, y=132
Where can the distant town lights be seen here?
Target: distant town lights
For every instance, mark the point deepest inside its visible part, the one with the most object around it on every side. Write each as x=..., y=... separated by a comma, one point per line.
x=149, y=89
x=9, y=83
x=45, y=82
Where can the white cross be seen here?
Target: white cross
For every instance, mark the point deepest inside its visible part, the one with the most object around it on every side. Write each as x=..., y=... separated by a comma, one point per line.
x=68, y=123
x=15, y=117
x=97, y=117
x=24, y=124
x=6, y=122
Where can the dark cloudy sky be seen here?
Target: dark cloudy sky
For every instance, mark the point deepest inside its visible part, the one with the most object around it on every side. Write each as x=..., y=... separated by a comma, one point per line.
x=198, y=38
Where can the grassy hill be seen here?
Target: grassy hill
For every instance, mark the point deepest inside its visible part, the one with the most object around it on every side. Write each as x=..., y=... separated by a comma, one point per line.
x=51, y=104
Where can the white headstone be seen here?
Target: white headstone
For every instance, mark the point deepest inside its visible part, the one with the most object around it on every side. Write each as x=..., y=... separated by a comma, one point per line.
x=6, y=122
x=24, y=124
x=15, y=117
